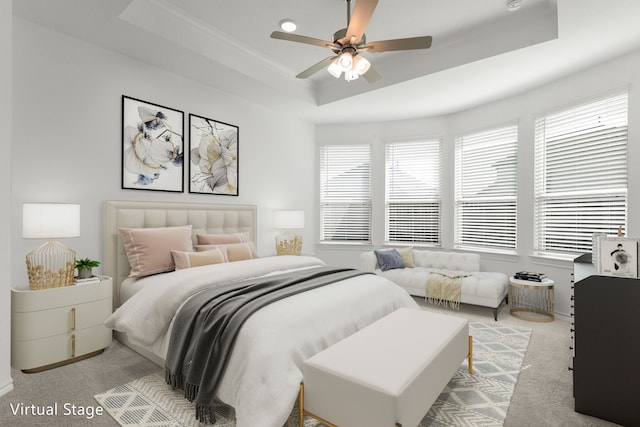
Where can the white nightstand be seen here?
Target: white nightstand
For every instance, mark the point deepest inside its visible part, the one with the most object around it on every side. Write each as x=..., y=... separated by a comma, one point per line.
x=56, y=326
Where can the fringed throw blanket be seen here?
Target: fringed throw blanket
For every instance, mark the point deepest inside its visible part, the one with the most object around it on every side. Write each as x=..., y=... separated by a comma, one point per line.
x=445, y=287
x=206, y=326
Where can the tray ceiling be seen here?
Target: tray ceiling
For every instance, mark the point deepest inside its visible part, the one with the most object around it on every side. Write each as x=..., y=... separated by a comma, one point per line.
x=480, y=52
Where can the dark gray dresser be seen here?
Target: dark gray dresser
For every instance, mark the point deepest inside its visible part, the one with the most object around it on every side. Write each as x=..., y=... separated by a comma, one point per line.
x=606, y=361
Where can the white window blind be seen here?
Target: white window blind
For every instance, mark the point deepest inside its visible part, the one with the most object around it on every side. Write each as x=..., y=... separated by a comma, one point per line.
x=345, y=193
x=580, y=174
x=413, y=192
x=486, y=189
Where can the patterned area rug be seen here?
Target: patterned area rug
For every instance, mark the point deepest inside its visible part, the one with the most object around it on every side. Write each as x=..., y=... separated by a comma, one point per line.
x=481, y=399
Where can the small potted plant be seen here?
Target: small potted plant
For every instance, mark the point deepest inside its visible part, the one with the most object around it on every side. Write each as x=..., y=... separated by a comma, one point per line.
x=84, y=267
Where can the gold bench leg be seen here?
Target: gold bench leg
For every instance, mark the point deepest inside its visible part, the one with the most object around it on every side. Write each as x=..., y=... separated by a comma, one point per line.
x=303, y=412
x=301, y=406
x=470, y=355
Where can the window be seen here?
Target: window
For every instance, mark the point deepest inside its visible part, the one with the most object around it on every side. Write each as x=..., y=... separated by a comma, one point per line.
x=412, y=199
x=486, y=189
x=345, y=193
x=580, y=175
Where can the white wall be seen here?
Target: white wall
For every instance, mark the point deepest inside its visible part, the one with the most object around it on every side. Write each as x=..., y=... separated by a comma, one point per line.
x=5, y=198
x=67, y=138
x=624, y=71
x=66, y=145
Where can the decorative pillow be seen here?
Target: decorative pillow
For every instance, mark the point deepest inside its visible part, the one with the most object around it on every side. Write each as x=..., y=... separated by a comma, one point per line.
x=389, y=259
x=149, y=249
x=223, y=239
x=235, y=251
x=407, y=256
x=195, y=259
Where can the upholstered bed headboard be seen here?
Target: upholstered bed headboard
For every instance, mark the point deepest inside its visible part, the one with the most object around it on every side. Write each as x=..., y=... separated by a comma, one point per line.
x=205, y=218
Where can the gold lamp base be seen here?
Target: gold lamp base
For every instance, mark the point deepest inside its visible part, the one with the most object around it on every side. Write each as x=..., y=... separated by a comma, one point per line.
x=288, y=243
x=51, y=265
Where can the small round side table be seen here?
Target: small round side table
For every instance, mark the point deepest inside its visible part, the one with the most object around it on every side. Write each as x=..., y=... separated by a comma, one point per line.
x=530, y=300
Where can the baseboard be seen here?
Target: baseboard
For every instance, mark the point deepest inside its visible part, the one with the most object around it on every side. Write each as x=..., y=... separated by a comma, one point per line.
x=6, y=387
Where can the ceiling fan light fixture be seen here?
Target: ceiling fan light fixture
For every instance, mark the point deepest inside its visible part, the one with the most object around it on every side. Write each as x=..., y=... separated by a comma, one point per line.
x=345, y=61
x=361, y=64
x=288, y=25
x=334, y=69
x=351, y=75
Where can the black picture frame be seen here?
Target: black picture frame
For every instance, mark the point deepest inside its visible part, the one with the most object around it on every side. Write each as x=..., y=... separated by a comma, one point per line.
x=152, y=146
x=213, y=156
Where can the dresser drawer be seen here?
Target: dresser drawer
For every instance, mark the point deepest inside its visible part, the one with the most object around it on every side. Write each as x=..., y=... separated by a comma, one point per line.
x=40, y=324
x=26, y=300
x=36, y=353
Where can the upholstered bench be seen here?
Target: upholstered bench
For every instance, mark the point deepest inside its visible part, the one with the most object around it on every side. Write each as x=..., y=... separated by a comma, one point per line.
x=484, y=288
x=388, y=373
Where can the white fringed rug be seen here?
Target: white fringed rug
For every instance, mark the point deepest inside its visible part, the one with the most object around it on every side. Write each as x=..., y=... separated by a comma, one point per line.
x=481, y=399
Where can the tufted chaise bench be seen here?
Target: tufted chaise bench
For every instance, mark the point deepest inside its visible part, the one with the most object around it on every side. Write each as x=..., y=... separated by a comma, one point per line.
x=486, y=289
x=388, y=373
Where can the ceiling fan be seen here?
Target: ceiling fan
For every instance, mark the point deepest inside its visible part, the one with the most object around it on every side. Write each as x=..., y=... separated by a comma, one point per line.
x=348, y=43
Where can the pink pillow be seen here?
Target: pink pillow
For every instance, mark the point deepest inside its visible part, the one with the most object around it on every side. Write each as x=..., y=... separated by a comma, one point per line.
x=149, y=249
x=195, y=259
x=223, y=239
x=235, y=251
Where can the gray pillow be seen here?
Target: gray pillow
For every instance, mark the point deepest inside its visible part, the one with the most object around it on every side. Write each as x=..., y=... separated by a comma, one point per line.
x=389, y=259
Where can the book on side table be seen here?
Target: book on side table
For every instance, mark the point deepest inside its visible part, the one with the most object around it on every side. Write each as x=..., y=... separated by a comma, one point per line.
x=528, y=275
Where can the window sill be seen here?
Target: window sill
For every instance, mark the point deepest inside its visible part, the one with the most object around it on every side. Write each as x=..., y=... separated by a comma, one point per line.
x=555, y=260
x=485, y=250
x=356, y=246
x=413, y=245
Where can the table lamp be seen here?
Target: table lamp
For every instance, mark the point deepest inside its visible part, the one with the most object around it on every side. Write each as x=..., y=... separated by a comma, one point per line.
x=289, y=242
x=51, y=264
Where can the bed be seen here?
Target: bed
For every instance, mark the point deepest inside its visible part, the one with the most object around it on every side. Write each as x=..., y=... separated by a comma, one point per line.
x=264, y=371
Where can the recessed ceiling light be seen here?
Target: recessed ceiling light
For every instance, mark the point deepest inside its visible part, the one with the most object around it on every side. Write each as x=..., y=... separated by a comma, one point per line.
x=288, y=25
x=513, y=5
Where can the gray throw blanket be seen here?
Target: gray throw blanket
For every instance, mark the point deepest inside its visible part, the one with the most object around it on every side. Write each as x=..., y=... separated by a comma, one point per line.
x=206, y=326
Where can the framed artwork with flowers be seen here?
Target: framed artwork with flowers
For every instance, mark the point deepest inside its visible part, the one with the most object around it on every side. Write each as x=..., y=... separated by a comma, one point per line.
x=213, y=150
x=152, y=146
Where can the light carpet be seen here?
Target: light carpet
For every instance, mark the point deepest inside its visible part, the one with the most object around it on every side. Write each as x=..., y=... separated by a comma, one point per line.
x=481, y=399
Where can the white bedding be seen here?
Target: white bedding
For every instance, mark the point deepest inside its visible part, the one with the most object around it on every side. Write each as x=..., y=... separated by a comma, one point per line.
x=265, y=368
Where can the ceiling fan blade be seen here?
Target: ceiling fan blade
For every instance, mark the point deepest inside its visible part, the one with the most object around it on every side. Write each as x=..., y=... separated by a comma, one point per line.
x=423, y=42
x=316, y=67
x=302, y=39
x=362, y=12
x=372, y=75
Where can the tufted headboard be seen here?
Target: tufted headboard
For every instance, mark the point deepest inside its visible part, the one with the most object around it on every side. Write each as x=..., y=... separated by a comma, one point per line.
x=205, y=218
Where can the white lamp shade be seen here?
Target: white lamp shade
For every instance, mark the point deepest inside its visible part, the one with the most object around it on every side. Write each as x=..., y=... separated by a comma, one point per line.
x=334, y=69
x=351, y=75
x=288, y=220
x=345, y=61
x=50, y=220
x=361, y=64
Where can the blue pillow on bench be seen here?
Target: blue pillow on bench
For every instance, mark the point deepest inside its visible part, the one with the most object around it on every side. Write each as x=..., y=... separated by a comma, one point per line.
x=389, y=259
